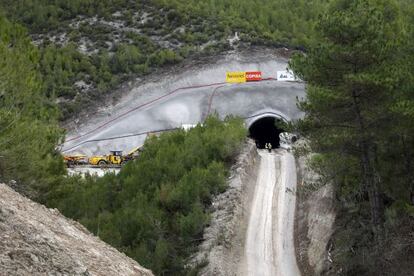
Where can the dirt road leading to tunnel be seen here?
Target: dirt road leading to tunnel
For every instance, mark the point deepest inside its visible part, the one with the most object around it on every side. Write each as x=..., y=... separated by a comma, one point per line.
x=269, y=247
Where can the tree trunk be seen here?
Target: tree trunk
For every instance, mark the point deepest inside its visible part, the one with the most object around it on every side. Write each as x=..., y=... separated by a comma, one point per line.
x=370, y=179
x=408, y=169
x=371, y=182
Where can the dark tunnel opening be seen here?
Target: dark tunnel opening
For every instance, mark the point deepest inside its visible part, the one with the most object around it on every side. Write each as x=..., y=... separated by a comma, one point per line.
x=265, y=131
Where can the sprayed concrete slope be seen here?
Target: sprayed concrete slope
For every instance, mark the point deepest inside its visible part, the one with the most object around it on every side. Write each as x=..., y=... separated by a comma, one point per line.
x=141, y=109
x=269, y=249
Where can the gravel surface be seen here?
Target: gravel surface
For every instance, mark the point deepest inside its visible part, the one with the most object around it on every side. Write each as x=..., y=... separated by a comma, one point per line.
x=35, y=240
x=269, y=246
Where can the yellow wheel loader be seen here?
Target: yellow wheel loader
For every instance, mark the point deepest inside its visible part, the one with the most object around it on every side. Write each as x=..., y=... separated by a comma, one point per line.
x=115, y=157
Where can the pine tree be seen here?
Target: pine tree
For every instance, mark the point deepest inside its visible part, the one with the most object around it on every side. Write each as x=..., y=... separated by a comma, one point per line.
x=352, y=73
x=28, y=126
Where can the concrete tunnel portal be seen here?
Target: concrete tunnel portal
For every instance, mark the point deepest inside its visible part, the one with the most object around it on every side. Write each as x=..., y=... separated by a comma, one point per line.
x=265, y=130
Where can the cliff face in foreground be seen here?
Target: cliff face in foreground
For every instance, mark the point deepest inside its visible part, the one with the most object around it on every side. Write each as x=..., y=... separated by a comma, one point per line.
x=36, y=240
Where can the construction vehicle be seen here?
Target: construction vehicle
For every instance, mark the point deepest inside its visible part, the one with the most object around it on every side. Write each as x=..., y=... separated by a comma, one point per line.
x=132, y=154
x=115, y=157
x=74, y=160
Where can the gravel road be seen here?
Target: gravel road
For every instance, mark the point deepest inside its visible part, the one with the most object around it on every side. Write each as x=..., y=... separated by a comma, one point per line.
x=269, y=240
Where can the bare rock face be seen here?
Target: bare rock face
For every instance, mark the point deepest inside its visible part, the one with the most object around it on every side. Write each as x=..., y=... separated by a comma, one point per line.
x=35, y=240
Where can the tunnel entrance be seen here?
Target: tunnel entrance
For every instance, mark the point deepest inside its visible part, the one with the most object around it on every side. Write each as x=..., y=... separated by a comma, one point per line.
x=265, y=131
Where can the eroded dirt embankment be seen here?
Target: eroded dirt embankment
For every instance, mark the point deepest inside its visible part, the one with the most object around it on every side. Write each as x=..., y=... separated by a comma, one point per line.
x=35, y=240
x=223, y=246
x=315, y=217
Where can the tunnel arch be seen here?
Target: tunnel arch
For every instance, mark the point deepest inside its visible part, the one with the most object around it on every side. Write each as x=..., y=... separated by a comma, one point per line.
x=263, y=129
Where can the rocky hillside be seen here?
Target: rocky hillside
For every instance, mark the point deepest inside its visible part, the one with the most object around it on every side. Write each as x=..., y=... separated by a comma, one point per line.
x=35, y=240
x=91, y=49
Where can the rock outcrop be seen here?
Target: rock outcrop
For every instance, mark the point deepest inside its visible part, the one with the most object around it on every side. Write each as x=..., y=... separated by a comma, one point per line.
x=35, y=240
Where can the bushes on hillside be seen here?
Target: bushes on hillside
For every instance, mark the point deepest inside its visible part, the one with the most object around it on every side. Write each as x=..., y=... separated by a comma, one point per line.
x=156, y=208
x=74, y=49
x=28, y=125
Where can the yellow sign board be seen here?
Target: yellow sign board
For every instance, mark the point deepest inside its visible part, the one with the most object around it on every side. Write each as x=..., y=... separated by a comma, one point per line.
x=235, y=77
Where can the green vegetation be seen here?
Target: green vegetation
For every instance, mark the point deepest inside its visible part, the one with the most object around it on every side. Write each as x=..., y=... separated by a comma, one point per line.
x=359, y=119
x=84, y=56
x=28, y=125
x=90, y=47
x=269, y=22
x=65, y=67
x=359, y=116
x=111, y=55
x=156, y=208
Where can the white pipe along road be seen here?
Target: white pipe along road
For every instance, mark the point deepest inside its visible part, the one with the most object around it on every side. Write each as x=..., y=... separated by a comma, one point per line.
x=269, y=249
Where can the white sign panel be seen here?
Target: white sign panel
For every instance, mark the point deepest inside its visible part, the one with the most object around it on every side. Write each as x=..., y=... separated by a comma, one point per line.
x=285, y=76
